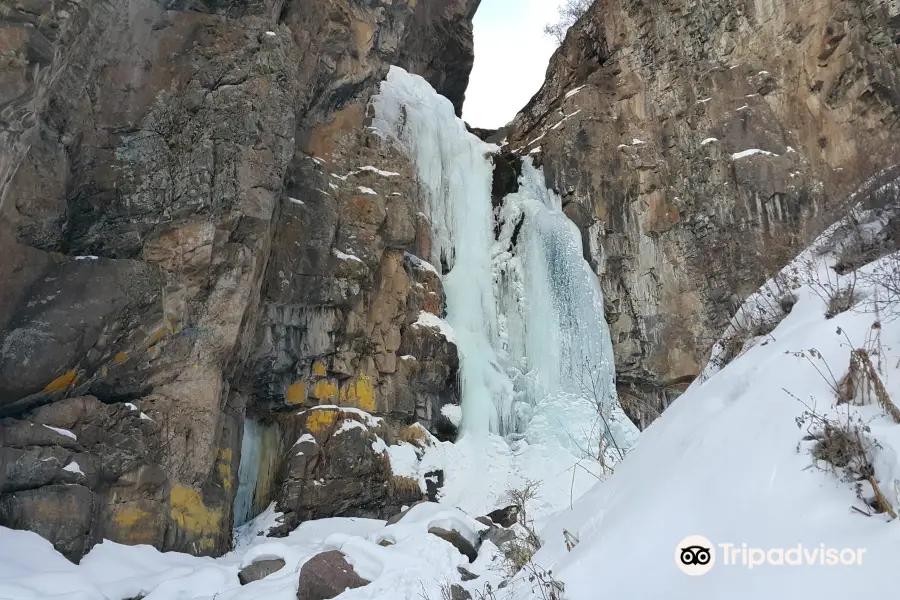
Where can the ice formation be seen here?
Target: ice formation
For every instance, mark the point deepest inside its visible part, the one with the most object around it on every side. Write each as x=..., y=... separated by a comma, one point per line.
x=455, y=176
x=527, y=312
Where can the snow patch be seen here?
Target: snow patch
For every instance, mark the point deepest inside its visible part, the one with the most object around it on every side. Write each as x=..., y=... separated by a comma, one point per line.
x=344, y=256
x=73, y=467
x=61, y=431
x=571, y=93
x=453, y=412
x=751, y=152
x=426, y=319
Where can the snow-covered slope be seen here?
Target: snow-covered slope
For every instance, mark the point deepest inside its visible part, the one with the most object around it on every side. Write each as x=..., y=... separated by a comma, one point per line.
x=728, y=461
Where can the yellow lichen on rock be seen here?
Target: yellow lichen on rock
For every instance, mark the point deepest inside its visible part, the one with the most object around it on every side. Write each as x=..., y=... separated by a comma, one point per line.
x=326, y=389
x=63, y=382
x=296, y=393
x=120, y=357
x=128, y=517
x=359, y=393
x=224, y=467
x=319, y=369
x=319, y=421
x=191, y=514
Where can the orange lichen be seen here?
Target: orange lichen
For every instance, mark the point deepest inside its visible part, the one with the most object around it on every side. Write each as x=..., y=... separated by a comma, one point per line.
x=63, y=382
x=296, y=393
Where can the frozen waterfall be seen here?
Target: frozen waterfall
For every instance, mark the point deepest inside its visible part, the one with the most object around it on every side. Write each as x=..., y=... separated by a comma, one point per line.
x=536, y=358
x=455, y=178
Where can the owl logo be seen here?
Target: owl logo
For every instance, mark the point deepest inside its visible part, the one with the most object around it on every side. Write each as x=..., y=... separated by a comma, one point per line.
x=695, y=555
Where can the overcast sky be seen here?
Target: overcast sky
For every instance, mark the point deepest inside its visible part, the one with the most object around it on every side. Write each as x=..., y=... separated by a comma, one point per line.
x=511, y=56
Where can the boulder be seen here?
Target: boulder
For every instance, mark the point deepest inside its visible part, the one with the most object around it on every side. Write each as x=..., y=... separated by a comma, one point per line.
x=327, y=575
x=457, y=540
x=458, y=592
x=505, y=517
x=260, y=570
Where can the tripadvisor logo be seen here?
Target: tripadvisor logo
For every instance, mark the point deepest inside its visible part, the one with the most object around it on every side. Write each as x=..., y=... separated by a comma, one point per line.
x=695, y=555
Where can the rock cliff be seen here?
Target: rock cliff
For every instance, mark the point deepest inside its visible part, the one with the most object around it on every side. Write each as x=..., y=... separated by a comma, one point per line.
x=699, y=145
x=196, y=226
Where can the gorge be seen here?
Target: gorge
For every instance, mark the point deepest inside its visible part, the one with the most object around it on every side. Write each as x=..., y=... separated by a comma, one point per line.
x=255, y=264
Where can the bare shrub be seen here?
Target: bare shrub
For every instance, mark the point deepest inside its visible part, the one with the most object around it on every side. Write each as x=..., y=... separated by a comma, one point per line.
x=885, y=278
x=843, y=446
x=520, y=550
x=862, y=385
x=568, y=12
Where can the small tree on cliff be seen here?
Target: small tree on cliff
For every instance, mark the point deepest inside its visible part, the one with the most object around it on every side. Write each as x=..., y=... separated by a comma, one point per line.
x=567, y=13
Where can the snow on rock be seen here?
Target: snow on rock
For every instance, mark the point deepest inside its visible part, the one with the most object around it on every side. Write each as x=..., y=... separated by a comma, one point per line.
x=377, y=171
x=453, y=412
x=535, y=150
x=426, y=319
x=300, y=202
x=422, y=517
x=709, y=140
x=31, y=569
x=344, y=256
x=419, y=263
x=73, y=467
x=564, y=119
x=366, y=418
x=571, y=93
x=367, y=190
x=306, y=437
x=349, y=424
x=61, y=431
x=751, y=152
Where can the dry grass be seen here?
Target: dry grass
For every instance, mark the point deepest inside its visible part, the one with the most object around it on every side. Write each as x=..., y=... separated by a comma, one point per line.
x=402, y=487
x=415, y=434
x=862, y=385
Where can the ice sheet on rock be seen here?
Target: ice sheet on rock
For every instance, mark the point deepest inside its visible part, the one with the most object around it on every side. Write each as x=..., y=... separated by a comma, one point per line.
x=553, y=325
x=455, y=177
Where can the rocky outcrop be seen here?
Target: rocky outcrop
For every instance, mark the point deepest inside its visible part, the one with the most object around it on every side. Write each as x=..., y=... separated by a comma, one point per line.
x=698, y=146
x=195, y=221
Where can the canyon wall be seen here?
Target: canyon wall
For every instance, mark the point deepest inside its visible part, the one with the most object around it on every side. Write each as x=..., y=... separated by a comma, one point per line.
x=197, y=227
x=699, y=145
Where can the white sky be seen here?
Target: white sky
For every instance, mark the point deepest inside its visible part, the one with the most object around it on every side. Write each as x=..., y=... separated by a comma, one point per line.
x=511, y=56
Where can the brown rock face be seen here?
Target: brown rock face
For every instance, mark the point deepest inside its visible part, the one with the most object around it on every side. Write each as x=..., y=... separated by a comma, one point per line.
x=178, y=221
x=698, y=146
